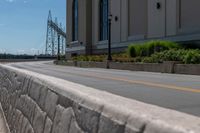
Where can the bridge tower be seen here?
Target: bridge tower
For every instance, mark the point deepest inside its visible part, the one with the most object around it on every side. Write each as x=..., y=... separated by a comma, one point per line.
x=49, y=37
x=62, y=39
x=55, y=37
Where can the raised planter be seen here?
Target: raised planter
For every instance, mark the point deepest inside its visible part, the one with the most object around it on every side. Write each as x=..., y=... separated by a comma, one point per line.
x=152, y=67
x=193, y=69
x=166, y=67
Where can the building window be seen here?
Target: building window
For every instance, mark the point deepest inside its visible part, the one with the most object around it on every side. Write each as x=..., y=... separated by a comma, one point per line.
x=103, y=20
x=75, y=20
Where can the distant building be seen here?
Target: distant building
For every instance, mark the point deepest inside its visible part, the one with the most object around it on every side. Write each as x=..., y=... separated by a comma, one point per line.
x=132, y=21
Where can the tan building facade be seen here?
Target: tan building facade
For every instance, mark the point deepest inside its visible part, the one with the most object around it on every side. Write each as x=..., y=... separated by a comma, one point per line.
x=132, y=21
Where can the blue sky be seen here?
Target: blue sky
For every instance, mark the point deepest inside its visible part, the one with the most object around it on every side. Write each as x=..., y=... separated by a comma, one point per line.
x=23, y=24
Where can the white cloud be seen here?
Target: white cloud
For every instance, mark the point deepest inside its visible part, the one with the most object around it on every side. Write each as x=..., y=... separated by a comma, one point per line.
x=10, y=1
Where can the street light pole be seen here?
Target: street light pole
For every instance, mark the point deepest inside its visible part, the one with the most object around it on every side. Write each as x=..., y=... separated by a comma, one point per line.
x=58, y=47
x=109, y=58
x=109, y=37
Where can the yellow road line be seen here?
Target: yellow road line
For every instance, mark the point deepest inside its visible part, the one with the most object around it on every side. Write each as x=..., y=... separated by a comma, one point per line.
x=159, y=85
x=144, y=83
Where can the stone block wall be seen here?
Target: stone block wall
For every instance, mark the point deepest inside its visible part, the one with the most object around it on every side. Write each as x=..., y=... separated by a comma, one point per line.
x=34, y=103
x=30, y=107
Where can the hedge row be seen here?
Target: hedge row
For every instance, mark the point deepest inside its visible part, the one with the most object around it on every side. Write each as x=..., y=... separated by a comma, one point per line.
x=151, y=52
x=97, y=58
x=190, y=56
x=151, y=47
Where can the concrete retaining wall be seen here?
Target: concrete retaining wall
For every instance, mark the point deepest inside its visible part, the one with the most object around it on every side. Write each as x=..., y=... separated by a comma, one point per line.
x=166, y=67
x=35, y=103
x=187, y=69
x=137, y=67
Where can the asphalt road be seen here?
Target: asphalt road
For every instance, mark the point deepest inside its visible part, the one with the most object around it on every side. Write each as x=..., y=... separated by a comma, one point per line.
x=173, y=91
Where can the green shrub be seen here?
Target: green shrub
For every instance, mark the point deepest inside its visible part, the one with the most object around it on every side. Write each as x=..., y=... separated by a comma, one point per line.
x=131, y=51
x=81, y=58
x=122, y=57
x=192, y=57
x=137, y=50
x=97, y=58
x=149, y=60
x=142, y=50
x=138, y=59
x=151, y=47
x=185, y=56
x=159, y=46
